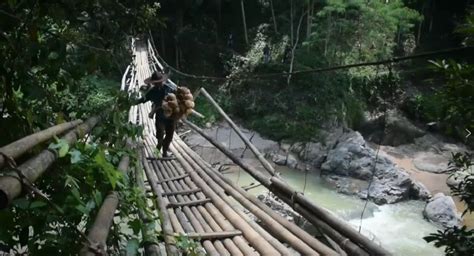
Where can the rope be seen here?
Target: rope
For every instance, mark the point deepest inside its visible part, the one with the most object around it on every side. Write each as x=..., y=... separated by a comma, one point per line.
x=374, y=163
x=318, y=70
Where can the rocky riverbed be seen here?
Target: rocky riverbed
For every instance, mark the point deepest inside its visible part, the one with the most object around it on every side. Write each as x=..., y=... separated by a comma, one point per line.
x=348, y=162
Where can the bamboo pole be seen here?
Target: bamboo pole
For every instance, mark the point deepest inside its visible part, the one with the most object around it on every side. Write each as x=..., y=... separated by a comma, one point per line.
x=149, y=239
x=100, y=229
x=252, y=236
x=257, y=153
x=277, y=224
x=244, y=22
x=239, y=241
x=19, y=147
x=164, y=216
x=189, y=222
x=10, y=184
x=221, y=192
x=208, y=222
x=275, y=185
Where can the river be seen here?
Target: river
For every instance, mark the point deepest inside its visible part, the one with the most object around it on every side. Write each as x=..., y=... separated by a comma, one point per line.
x=398, y=227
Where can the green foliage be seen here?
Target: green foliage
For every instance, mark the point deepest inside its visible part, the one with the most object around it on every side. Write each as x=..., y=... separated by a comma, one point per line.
x=456, y=110
x=343, y=32
x=188, y=246
x=355, y=31
x=61, y=60
x=457, y=241
x=48, y=48
x=462, y=163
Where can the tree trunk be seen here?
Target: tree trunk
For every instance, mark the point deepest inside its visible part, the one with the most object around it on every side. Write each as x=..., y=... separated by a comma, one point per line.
x=273, y=17
x=294, y=47
x=432, y=11
x=244, y=22
x=309, y=18
x=291, y=23
x=328, y=33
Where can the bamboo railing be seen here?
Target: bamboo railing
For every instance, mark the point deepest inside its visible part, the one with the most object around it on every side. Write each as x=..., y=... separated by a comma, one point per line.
x=21, y=146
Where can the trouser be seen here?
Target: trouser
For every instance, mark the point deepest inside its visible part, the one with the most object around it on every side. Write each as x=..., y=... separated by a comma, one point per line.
x=164, y=127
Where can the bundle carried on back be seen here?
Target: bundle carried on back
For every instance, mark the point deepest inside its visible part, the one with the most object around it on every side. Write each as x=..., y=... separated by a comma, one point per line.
x=178, y=105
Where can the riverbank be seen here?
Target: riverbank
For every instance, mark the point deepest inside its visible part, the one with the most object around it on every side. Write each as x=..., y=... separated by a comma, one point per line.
x=405, y=217
x=434, y=182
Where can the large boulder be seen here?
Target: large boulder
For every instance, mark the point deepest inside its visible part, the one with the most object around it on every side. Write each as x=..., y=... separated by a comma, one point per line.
x=314, y=154
x=291, y=161
x=442, y=211
x=353, y=158
x=399, y=130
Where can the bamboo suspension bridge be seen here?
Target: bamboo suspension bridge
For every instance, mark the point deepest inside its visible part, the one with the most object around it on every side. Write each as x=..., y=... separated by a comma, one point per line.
x=192, y=197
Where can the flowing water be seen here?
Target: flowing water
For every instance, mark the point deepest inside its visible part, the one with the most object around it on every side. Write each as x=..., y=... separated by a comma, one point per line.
x=399, y=227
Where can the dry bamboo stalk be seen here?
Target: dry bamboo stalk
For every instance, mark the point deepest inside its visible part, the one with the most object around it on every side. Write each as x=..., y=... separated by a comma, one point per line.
x=100, y=229
x=271, y=239
x=276, y=228
x=346, y=244
x=183, y=219
x=19, y=147
x=275, y=184
x=210, y=210
x=208, y=222
x=257, y=153
x=149, y=240
x=239, y=241
x=165, y=218
x=195, y=221
x=10, y=185
x=252, y=236
x=259, y=209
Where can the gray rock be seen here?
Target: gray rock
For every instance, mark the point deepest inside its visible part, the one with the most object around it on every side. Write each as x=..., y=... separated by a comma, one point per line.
x=279, y=206
x=353, y=161
x=431, y=162
x=399, y=130
x=278, y=159
x=442, y=211
x=419, y=191
x=456, y=178
x=314, y=154
x=297, y=147
x=291, y=161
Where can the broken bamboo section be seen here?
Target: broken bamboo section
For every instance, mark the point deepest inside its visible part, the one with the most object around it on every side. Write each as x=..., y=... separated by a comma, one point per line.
x=257, y=153
x=11, y=183
x=277, y=186
x=19, y=147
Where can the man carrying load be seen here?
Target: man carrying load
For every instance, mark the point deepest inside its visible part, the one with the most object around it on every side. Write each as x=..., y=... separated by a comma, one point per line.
x=167, y=107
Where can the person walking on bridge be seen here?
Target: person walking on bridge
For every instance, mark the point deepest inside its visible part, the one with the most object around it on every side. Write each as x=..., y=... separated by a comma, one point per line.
x=165, y=126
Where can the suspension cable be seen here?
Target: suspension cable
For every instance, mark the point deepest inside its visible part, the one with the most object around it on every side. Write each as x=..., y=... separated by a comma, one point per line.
x=319, y=70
